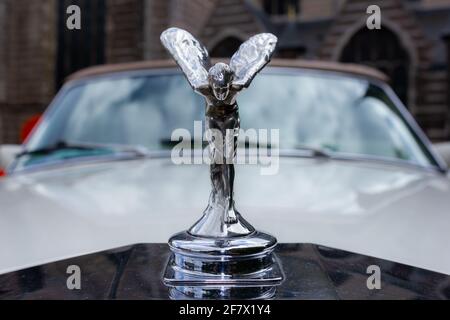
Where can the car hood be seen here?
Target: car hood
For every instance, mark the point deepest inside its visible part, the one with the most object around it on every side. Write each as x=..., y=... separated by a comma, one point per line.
x=396, y=213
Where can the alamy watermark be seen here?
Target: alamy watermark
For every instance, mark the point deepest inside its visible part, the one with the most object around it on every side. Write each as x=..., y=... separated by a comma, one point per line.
x=374, y=280
x=374, y=20
x=263, y=147
x=74, y=280
x=74, y=19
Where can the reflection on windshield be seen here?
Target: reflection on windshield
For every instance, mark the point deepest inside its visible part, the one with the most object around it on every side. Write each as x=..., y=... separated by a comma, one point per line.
x=339, y=114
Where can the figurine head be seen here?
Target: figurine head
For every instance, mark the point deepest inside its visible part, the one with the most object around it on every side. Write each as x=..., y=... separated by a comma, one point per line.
x=220, y=77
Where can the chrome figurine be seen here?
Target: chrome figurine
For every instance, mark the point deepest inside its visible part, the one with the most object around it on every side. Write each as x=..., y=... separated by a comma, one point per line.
x=219, y=85
x=222, y=251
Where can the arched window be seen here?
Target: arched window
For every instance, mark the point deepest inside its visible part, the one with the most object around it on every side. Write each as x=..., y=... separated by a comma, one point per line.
x=226, y=48
x=382, y=50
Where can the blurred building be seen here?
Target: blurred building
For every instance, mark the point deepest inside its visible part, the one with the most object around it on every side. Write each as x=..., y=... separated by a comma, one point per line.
x=37, y=51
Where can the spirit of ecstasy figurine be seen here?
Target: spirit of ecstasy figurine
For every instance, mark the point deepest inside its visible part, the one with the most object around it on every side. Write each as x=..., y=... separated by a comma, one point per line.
x=207, y=254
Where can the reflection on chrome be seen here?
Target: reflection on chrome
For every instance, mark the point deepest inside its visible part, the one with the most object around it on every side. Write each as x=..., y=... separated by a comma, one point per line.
x=222, y=253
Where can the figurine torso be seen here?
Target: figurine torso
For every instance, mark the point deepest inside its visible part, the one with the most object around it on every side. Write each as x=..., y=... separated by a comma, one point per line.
x=215, y=107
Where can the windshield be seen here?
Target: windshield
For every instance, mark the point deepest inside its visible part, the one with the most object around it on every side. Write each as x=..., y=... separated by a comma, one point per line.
x=337, y=113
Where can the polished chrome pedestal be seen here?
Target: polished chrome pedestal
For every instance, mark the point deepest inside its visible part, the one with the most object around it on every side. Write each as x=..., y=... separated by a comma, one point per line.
x=228, y=268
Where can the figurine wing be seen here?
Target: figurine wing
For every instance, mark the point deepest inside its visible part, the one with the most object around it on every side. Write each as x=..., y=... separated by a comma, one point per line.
x=190, y=55
x=252, y=56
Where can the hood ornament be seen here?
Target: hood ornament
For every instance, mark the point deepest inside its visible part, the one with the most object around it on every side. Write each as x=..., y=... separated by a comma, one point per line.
x=222, y=251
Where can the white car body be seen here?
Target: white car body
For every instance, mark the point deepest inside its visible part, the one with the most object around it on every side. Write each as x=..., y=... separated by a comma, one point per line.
x=392, y=212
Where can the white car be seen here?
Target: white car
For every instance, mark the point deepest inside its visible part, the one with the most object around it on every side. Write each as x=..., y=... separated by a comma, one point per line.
x=359, y=195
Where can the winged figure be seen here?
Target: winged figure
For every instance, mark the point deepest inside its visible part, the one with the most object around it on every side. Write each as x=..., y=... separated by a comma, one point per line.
x=219, y=85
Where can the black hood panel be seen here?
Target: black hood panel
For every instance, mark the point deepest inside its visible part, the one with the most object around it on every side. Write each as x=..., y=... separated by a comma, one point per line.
x=312, y=272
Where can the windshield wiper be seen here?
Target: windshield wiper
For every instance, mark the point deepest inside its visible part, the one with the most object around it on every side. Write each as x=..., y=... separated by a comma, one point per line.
x=168, y=143
x=241, y=144
x=63, y=145
x=314, y=152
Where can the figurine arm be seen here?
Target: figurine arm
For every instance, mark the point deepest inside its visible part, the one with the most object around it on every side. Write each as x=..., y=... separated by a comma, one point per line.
x=251, y=58
x=190, y=54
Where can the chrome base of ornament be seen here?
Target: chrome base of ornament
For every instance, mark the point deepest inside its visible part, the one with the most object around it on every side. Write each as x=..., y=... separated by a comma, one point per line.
x=223, y=268
x=222, y=293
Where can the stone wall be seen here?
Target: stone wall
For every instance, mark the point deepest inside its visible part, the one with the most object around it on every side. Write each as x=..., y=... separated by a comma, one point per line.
x=28, y=69
x=191, y=15
x=428, y=99
x=28, y=44
x=156, y=21
x=3, y=51
x=230, y=18
x=124, y=29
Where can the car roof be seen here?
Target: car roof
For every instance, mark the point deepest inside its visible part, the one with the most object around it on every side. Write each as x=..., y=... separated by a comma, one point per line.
x=352, y=69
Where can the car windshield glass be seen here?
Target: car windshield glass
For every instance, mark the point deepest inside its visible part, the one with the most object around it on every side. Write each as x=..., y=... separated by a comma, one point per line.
x=320, y=110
